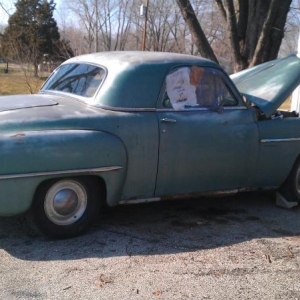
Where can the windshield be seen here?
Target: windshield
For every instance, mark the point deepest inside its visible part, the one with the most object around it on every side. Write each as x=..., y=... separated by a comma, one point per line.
x=79, y=79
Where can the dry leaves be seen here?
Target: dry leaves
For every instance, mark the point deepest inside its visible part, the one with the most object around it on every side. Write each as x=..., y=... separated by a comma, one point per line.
x=103, y=281
x=157, y=293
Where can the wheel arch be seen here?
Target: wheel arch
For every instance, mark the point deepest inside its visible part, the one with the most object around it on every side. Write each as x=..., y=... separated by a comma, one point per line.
x=97, y=181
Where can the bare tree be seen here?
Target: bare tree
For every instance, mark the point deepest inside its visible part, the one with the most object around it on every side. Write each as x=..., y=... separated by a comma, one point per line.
x=85, y=11
x=23, y=57
x=240, y=32
x=160, y=22
x=179, y=34
x=5, y=8
x=255, y=28
x=107, y=23
x=292, y=31
x=124, y=24
x=117, y=25
x=198, y=36
x=166, y=30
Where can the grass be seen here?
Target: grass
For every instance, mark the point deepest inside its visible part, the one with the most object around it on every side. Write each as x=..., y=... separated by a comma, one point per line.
x=287, y=104
x=17, y=82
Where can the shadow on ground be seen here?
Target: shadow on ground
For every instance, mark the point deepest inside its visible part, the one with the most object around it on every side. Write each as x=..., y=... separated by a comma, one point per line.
x=159, y=228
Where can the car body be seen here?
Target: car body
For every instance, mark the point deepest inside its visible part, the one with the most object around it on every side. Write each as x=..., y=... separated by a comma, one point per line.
x=123, y=127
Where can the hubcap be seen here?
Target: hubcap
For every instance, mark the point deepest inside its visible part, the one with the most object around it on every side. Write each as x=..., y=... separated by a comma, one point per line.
x=65, y=202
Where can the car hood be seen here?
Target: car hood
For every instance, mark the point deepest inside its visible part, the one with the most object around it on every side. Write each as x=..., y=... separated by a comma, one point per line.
x=270, y=84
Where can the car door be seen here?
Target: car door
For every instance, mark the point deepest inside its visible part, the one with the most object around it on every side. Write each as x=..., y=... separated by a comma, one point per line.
x=208, y=142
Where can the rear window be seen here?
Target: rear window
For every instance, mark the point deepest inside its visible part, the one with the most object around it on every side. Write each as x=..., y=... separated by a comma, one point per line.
x=79, y=79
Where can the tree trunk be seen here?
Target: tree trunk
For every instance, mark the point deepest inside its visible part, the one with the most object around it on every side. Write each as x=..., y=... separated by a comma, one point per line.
x=234, y=35
x=196, y=31
x=255, y=29
x=270, y=38
x=259, y=31
x=36, y=70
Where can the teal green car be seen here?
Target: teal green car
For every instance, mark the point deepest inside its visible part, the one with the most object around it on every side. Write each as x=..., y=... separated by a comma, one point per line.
x=124, y=127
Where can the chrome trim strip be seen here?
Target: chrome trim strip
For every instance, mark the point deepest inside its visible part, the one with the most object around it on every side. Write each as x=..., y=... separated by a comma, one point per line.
x=139, y=201
x=218, y=193
x=128, y=109
x=200, y=109
x=237, y=108
x=67, y=172
x=280, y=140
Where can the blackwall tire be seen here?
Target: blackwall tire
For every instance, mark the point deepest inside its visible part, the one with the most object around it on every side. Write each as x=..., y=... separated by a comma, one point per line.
x=290, y=190
x=65, y=208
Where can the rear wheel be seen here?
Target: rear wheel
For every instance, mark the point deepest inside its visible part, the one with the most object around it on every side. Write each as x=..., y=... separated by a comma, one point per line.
x=291, y=187
x=65, y=208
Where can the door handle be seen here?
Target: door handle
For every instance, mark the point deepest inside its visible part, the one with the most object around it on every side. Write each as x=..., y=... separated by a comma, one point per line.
x=167, y=120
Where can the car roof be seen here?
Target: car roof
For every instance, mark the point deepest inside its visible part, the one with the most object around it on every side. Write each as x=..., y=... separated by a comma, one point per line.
x=134, y=78
x=139, y=57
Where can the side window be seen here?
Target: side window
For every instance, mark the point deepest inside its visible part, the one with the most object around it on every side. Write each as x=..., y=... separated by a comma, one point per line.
x=190, y=87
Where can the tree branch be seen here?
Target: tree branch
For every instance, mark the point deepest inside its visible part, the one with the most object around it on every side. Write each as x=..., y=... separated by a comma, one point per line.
x=221, y=9
x=2, y=6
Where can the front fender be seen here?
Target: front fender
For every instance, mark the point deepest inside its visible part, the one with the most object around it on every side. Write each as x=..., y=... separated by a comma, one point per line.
x=279, y=149
x=28, y=158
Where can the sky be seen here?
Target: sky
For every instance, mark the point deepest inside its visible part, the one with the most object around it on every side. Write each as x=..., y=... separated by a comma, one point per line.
x=9, y=7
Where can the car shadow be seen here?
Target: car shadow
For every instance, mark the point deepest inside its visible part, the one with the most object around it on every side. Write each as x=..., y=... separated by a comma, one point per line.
x=168, y=227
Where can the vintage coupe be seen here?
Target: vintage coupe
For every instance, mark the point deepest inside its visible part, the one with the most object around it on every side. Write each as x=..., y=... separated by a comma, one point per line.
x=123, y=127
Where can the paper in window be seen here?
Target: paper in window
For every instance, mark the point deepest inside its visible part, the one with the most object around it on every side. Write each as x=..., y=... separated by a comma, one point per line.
x=180, y=91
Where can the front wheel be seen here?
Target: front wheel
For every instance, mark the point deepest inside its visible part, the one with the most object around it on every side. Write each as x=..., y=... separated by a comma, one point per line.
x=291, y=187
x=65, y=208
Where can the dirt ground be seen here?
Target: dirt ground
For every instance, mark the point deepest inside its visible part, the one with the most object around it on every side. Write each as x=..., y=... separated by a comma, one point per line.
x=241, y=247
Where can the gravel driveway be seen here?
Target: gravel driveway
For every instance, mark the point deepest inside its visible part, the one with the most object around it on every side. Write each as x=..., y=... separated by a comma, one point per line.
x=241, y=247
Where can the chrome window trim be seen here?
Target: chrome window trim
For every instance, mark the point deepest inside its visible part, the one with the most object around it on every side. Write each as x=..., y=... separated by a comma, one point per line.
x=88, y=100
x=66, y=172
x=233, y=108
x=166, y=109
x=280, y=140
x=126, y=109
